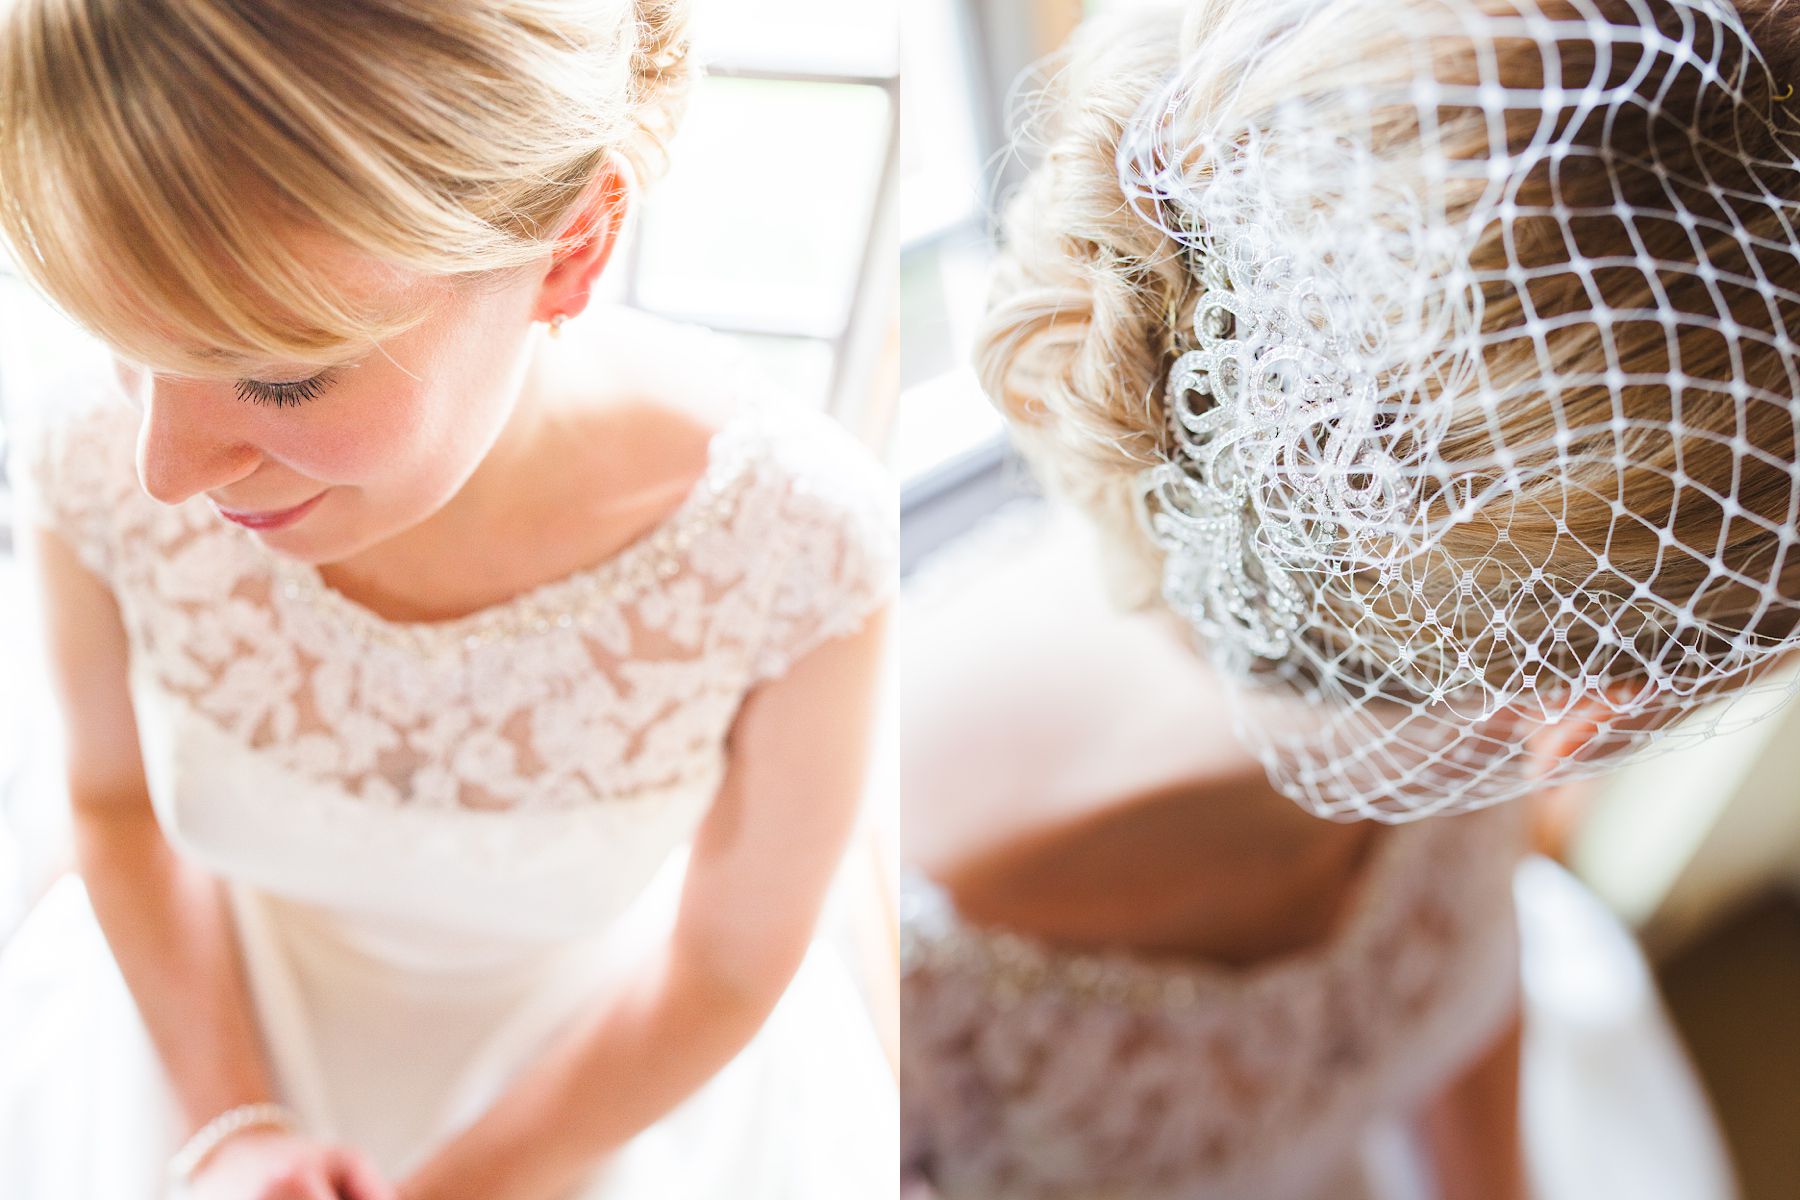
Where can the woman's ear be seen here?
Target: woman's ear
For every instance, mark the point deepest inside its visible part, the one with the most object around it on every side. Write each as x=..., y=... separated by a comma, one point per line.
x=1587, y=722
x=588, y=239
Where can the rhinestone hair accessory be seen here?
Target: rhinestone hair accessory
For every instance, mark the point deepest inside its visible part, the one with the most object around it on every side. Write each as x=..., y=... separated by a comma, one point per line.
x=1483, y=425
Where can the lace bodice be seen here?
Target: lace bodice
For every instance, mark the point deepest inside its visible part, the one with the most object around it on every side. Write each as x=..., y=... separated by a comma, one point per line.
x=556, y=745
x=1032, y=1073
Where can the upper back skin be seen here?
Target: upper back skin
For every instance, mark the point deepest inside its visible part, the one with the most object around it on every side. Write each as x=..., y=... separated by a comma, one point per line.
x=1070, y=772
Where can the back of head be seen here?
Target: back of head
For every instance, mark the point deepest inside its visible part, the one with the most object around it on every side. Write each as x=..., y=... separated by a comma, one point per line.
x=171, y=170
x=1436, y=352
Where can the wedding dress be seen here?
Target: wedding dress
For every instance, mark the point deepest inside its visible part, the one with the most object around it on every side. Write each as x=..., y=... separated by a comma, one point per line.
x=1031, y=1073
x=439, y=839
x=1035, y=1073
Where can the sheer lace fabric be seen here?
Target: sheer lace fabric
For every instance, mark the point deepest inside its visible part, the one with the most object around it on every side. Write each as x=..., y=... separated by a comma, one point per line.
x=585, y=717
x=1033, y=1073
x=606, y=684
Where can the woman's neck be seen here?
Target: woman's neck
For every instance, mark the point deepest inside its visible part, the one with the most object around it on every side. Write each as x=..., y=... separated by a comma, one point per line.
x=575, y=474
x=496, y=496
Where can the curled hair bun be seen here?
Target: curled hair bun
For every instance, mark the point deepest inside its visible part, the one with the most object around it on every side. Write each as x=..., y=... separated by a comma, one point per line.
x=1075, y=346
x=663, y=72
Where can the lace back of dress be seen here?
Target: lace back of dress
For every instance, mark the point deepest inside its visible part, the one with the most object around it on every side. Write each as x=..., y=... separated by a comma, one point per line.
x=1031, y=1073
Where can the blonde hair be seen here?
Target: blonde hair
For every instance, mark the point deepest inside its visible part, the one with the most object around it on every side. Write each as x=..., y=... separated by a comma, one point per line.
x=1091, y=300
x=159, y=162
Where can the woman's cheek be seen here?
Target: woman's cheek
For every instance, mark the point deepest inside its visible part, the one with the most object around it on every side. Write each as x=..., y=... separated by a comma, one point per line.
x=361, y=444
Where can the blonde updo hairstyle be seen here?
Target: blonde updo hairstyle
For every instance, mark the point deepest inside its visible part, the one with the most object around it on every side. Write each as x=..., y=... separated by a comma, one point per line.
x=1092, y=300
x=162, y=160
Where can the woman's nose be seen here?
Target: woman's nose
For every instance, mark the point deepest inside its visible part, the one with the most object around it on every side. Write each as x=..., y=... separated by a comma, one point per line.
x=188, y=442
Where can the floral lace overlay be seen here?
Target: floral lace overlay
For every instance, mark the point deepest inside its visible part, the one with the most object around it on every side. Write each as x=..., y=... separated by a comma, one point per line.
x=617, y=682
x=1030, y=1073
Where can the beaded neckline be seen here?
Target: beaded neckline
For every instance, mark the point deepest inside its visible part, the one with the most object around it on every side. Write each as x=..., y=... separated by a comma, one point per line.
x=1013, y=966
x=570, y=602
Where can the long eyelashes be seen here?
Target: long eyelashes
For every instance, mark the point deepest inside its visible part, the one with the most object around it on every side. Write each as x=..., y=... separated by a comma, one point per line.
x=283, y=394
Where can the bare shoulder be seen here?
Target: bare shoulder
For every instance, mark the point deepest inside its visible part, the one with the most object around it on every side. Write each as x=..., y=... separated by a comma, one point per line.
x=639, y=402
x=653, y=438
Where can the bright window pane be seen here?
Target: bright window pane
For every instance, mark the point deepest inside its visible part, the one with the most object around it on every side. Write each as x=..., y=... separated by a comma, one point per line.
x=764, y=219
x=848, y=37
x=943, y=290
x=940, y=178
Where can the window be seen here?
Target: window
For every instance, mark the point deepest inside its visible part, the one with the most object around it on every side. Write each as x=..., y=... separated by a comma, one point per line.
x=775, y=225
x=945, y=245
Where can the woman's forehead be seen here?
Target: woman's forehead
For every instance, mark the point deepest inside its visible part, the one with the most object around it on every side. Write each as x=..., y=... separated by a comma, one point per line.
x=385, y=294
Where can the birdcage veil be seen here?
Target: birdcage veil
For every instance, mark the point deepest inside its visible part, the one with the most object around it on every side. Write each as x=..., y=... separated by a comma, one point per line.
x=1482, y=420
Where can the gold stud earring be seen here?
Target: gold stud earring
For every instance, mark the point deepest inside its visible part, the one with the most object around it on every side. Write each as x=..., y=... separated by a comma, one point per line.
x=556, y=324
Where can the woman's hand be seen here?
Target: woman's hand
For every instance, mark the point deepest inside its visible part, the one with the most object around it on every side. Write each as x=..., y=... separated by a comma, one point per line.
x=269, y=1164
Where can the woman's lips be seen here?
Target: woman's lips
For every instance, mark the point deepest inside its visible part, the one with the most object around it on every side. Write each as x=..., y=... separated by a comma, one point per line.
x=270, y=519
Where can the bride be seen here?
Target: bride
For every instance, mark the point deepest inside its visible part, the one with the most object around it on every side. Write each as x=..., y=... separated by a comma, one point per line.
x=397, y=671
x=1426, y=365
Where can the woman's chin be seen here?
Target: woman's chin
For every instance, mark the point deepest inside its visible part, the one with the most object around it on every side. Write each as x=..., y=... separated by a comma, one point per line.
x=306, y=546
x=327, y=542
x=321, y=537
